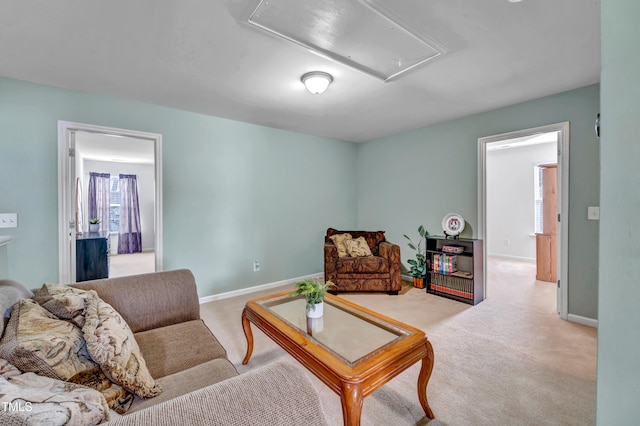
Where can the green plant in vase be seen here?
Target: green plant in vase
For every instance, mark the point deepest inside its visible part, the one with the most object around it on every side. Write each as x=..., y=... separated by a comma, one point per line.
x=418, y=268
x=94, y=224
x=314, y=293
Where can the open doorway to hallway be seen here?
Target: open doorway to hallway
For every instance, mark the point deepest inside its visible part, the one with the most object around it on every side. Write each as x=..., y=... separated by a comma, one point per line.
x=528, y=137
x=122, y=169
x=521, y=216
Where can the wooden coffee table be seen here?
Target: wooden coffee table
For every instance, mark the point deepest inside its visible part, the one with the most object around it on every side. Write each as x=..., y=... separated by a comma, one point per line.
x=353, y=350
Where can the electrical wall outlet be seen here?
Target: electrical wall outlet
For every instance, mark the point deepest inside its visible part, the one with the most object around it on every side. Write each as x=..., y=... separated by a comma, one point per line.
x=593, y=213
x=8, y=220
x=256, y=266
x=506, y=242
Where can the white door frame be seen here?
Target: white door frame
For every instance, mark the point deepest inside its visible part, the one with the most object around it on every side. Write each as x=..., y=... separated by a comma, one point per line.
x=563, y=201
x=66, y=190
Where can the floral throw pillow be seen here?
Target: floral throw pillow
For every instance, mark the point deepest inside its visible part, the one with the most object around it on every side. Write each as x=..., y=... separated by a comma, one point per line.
x=111, y=344
x=63, y=301
x=35, y=340
x=338, y=241
x=358, y=247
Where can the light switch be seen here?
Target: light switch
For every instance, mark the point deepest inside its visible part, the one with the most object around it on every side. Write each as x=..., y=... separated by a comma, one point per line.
x=8, y=220
x=593, y=213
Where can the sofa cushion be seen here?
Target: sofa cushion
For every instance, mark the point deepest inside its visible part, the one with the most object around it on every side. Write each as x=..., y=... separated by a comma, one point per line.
x=275, y=394
x=35, y=340
x=112, y=345
x=189, y=380
x=357, y=247
x=168, y=350
x=338, y=240
x=364, y=265
x=11, y=292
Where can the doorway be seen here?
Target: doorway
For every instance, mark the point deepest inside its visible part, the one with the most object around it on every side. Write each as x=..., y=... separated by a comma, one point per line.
x=521, y=241
x=83, y=149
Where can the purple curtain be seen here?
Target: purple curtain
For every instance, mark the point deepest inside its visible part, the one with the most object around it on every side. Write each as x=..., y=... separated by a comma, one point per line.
x=99, y=194
x=130, y=234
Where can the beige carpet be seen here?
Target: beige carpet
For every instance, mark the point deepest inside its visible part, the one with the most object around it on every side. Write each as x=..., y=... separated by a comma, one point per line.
x=122, y=265
x=507, y=361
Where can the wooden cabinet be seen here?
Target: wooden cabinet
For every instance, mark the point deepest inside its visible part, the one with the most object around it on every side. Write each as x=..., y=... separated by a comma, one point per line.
x=92, y=256
x=546, y=242
x=546, y=255
x=455, y=269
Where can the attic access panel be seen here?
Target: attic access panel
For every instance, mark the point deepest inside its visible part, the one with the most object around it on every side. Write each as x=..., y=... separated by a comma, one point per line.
x=353, y=32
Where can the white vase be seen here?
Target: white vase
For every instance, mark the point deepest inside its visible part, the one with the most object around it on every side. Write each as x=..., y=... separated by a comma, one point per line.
x=316, y=311
x=94, y=227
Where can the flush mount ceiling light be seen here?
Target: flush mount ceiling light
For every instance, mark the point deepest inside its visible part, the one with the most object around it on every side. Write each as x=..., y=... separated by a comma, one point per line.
x=316, y=82
x=364, y=34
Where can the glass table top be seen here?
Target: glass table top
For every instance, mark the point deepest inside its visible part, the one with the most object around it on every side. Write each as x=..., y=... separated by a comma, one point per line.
x=349, y=333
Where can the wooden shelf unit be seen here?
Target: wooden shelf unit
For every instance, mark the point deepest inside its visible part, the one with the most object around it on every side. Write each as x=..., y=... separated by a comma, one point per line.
x=467, y=283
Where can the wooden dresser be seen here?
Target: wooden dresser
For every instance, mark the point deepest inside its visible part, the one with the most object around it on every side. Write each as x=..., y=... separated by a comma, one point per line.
x=546, y=242
x=92, y=256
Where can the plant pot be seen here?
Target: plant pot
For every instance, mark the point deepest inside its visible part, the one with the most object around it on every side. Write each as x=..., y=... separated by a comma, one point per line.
x=418, y=282
x=316, y=311
x=314, y=325
x=94, y=227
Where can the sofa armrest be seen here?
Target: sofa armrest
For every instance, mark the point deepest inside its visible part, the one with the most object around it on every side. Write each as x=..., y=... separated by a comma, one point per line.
x=391, y=252
x=149, y=301
x=276, y=394
x=330, y=262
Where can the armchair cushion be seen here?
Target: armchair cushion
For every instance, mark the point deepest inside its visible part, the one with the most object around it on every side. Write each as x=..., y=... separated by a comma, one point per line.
x=363, y=265
x=357, y=247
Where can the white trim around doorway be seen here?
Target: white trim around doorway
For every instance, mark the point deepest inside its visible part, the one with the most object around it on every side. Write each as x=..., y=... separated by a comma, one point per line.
x=66, y=188
x=563, y=201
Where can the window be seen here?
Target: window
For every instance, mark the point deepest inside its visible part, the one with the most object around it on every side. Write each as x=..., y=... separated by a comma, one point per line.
x=537, y=199
x=114, y=204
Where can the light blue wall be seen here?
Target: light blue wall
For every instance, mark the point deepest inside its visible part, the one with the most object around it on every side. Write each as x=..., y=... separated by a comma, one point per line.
x=4, y=261
x=419, y=176
x=618, y=387
x=233, y=192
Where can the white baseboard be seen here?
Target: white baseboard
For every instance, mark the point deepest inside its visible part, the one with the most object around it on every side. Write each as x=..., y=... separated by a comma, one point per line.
x=583, y=320
x=260, y=287
x=406, y=278
x=507, y=256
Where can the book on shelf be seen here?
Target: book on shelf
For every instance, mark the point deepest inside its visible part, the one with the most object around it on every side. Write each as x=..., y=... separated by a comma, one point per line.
x=444, y=263
x=452, y=285
x=453, y=249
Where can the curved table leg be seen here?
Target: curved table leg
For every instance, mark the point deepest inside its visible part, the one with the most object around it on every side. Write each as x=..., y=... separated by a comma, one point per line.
x=246, y=326
x=423, y=379
x=351, y=400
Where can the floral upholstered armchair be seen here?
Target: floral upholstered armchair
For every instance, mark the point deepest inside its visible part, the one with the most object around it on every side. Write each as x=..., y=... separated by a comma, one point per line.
x=361, y=261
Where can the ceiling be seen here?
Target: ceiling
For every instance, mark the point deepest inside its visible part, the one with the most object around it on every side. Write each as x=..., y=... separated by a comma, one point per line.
x=114, y=148
x=202, y=56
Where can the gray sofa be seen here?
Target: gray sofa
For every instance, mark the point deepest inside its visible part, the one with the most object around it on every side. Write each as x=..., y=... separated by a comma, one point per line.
x=200, y=385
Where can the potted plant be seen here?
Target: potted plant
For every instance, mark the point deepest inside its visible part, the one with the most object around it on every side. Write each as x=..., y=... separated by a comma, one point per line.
x=94, y=224
x=314, y=293
x=418, y=268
